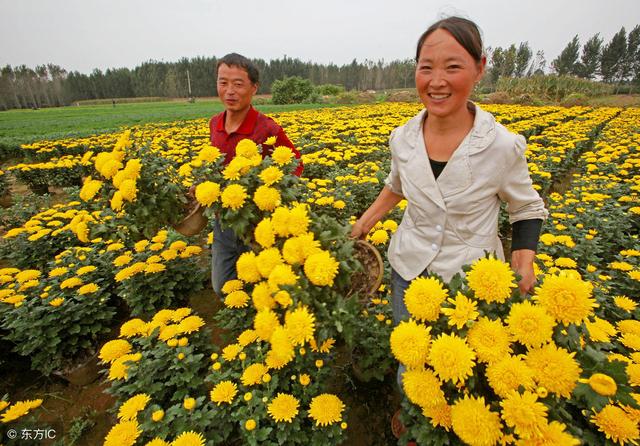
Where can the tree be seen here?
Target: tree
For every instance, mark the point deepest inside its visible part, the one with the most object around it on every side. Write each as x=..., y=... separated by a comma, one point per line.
x=291, y=90
x=566, y=62
x=633, y=54
x=590, y=60
x=613, y=56
x=523, y=58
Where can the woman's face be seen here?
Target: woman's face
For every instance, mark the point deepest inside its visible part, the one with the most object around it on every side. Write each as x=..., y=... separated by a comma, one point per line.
x=446, y=74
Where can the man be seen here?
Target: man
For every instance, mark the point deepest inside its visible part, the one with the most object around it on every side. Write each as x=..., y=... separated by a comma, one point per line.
x=237, y=83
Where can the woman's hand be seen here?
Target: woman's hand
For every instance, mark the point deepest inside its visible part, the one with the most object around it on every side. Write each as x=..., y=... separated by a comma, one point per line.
x=522, y=263
x=358, y=230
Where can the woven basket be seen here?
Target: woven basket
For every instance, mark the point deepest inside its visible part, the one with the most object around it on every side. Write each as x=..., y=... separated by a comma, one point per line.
x=368, y=281
x=193, y=223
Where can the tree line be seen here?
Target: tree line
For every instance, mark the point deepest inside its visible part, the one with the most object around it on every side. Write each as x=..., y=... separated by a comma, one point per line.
x=616, y=61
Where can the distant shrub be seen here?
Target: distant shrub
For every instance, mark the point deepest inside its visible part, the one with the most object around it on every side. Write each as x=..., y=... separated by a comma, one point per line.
x=328, y=89
x=291, y=90
x=498, y=97
x=575, y=99
x=551, y=87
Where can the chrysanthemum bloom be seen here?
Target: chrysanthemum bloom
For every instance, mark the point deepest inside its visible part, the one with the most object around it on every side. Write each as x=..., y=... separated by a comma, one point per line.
x=283, y=407
x=326, y=409
x=280, y=221
x=491, y=280
x=530, y=324
x=88, y=289
x=264, y=234
x=489, y=339
x=252, y=375
x=129, y=409
x=524, y=413
x=117, y=201
x=508, y=374
x=552, y=434
x=625, y=303
x=18, y=409
x=390, y=225
x=60, y=271
x=264, y=323
x=439, y=415
x=262, y=297
x=124, y=433
x=379, y=237
x=246, y=148
x=266, y=198
x=230, y=352
x=565, y=262
x=554, y=368
x=247, y=268
x=250, y=424
x=122, y=260
x=300, y=325
x=298, y=220
x=114, y=349
x=189, y=438
x=629, y=326
x=423, y=298
x=282, y=155
x=189, y=403
x=234, y=196
x=133, y=327
x=224, y=392
x=321, y=268
x=190, y=324
x=568, y=299
x=271, y=175
x=422, y=387
x=236, y=299
x=474, y=423
x=209, y=153
x=410, y=343
x=633, y=372
x=90, y=189
x=267, y=260
x=207, y=193
x=282, y=350
x=247, y=337
x=54, y=302
x=129, y=190
x=72, y=282
x=464, y=310
x=281, y=275
x=236, y=168
x=110, y=168
x=232, y=285
x=451, y=358
x=601, y=384
x=616, y=425
x=296, y=249
x=600, y=330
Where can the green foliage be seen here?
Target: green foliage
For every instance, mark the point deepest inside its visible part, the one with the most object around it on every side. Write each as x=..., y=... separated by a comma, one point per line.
x=328, y=89
x=291, y=90
x=551, y=87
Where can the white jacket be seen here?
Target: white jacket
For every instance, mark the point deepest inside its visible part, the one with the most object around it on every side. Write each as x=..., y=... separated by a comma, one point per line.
x=452, y=221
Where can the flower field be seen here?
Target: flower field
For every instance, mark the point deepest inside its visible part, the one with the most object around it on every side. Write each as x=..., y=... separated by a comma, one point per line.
x=103, y=274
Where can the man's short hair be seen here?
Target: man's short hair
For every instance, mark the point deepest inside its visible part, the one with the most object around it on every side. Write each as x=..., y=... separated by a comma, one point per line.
x=238, y=60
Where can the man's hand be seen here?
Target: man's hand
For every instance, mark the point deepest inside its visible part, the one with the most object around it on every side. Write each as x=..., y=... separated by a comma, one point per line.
x=522, y=263
x=358, y=230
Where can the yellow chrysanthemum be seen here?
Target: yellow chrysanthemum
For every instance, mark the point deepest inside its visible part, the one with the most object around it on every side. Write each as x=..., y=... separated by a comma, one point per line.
x=530, y=324
x=129, y=190
x=552, y=434
x=124, y=433
x=451, y=358
x=600, y=330
x=267, y=260
x=71, y=282
x=264, y=234
x=281, y=275
x=18, y=409
x=423, y=298
x=379, y=237
x=297, y=249
x=189, y=438
x=264, y=323
x=282, y=155
x=300, y=325
x=508, y=374
x=266, y=198
x=633, y=372
x=234, y=196
x=262, y=297
x=474, y=422
x=297, y=221
x=224, y=392
x=230, y=352
x=283, y=407
x=601, y=384
x=491, y=280
x=271, y=175
x=489, y=339
x=321, y=268
x=326, y=409
x=566, y=298
x=88, y=289
x=133, y=328
x=422, y=387
x=113, y=350
x=524, y=413
x=282, y=350
x=253, y=374
x=129, y=409
x=616, y=425
x=190, y=324
x=247, y=267
x=247, y=337
x=439, y=415
x=554, y=368
x=89, y=189
x=625, y=303
x=410, y=343
x=207, y=193
x=463, y=311
x=117, y=201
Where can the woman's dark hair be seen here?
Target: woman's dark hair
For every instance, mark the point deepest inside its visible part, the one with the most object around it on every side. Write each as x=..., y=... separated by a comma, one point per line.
x=237, y=60
x=464, y=31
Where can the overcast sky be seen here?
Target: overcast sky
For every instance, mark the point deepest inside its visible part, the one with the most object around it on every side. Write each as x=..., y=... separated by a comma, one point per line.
x=86, y=34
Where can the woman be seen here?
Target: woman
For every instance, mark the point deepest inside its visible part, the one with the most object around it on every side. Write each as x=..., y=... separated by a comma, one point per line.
x=455, y=165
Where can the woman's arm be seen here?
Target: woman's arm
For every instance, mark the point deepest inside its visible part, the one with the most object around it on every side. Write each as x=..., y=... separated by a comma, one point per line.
x=384, y=203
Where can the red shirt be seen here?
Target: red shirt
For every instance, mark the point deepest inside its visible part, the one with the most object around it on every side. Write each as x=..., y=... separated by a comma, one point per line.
x=256, y=127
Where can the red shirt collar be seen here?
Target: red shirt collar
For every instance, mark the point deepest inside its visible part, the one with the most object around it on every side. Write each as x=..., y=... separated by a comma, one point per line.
x=247, y=126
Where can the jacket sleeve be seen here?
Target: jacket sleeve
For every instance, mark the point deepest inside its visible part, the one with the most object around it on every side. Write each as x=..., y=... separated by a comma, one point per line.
x=516, y=189
x=392, y=182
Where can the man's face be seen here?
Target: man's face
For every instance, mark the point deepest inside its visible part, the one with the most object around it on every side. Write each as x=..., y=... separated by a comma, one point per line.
x=235, y=89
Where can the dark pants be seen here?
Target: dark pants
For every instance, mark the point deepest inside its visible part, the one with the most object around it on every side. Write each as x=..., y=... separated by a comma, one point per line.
x=225, y=251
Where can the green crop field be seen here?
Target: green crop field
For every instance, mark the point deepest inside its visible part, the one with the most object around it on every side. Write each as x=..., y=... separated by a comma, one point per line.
x=21, y=126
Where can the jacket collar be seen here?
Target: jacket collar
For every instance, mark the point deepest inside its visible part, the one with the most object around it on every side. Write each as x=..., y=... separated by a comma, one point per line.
x=247, y=126
x=457, y=175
